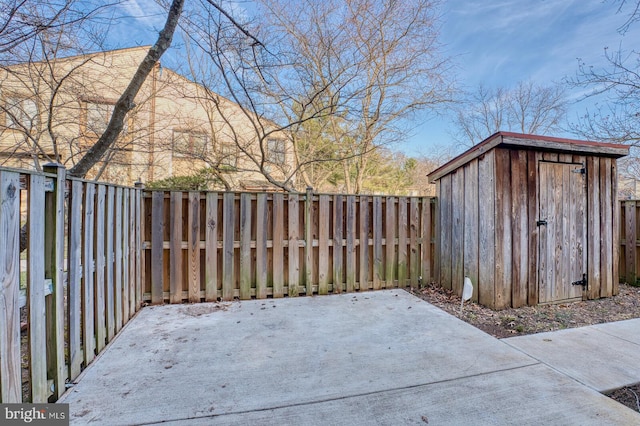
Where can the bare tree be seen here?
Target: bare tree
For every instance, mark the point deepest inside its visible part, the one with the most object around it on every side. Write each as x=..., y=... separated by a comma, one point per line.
x=337, y=79
x=526, y=108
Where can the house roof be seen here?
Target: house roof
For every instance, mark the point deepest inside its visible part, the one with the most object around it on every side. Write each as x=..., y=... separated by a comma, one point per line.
x=536, y=142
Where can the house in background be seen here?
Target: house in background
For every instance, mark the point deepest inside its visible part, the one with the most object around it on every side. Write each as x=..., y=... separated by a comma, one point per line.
x=56, y=110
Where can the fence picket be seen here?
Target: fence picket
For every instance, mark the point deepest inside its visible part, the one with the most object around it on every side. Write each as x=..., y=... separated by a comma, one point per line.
x=10, y=385
x=88, y=326
x=99, y=245
x=35, y=290
x=211, y=248
x=175, y=248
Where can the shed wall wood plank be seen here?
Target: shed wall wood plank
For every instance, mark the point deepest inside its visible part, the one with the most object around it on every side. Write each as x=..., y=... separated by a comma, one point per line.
x=606, y=229
x=471, y=211
x=323, y=244
x=211, y=248
x=245, y=246
x=486, y=230
x=519, y=222
x=593, y=242
x=278, y=245
x=532, y=196
x=35, y=291
x=446, y=231
x=10, y=361
x=503, y=230
x=457, y=231
x=615, y=205
x=157, y=239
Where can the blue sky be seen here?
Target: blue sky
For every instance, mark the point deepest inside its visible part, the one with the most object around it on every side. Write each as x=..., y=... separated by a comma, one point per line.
x=501, y=42
x=493, y=42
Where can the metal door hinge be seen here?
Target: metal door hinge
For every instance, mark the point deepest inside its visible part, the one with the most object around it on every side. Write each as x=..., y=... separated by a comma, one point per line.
x=582, y=171
x=582, y=282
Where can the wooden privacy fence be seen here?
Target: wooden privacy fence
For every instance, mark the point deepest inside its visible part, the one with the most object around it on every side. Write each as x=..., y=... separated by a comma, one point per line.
x=75, y=286
x=220, y=246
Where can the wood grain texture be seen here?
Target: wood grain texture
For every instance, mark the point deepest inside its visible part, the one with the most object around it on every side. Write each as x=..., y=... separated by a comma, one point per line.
x=390, y=242
x=324, y=220
x=503, y=230
x=533, y=210
x=414, y=248
x=338, y=244
x=88, y=324
x=109, y=283
x=402, y=242
x=457, y=230
x=124, y=254
x=35, y=291
x=54, y=263
x=175, y=247
x=593, y=223
x=211, y=248
x=294, y=245
x=157, y=246
x=606, y=228
x=446, y=231
x=193, y=250
x=228, y=226
x=363, y=239
x=74, y=278
x=262, y=224
x=486, y=230
x=99, y=289
x=470, y=237
x=519, y=225
x=378, y=259
x=278, y=219
x=351, y=243
x=245, y=246
x=10, y=379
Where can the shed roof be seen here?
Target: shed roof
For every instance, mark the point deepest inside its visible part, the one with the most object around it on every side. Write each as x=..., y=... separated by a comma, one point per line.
x=534, y=142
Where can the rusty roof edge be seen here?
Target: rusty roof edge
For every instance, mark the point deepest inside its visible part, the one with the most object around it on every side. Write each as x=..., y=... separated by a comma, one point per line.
x=529, y=141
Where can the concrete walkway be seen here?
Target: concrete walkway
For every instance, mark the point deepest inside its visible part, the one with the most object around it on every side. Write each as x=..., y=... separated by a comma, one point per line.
x=384, y=358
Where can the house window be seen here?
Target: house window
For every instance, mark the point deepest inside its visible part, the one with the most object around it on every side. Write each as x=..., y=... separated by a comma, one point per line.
x=189, y=144
x=21, y=113
x=98, y=116
x=276, y=151
x=228, y=155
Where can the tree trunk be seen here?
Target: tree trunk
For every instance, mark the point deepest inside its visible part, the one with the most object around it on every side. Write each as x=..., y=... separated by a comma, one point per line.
x=126, y=101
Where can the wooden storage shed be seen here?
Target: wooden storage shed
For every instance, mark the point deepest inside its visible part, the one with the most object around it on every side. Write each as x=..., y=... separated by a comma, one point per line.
x=527, y=217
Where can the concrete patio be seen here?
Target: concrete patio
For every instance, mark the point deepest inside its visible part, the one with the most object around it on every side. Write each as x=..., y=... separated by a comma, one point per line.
x=382, y=357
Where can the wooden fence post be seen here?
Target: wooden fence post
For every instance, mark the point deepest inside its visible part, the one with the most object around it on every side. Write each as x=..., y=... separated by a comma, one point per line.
x=54, y=270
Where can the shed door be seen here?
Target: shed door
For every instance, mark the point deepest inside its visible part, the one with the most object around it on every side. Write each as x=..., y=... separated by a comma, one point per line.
x=562, y=253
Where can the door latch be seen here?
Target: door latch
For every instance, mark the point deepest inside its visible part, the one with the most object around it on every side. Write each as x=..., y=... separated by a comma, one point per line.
x=582, y=282
x=541, y=222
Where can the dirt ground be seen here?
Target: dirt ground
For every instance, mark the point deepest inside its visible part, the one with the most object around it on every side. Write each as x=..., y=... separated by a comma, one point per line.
x=537, y=319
